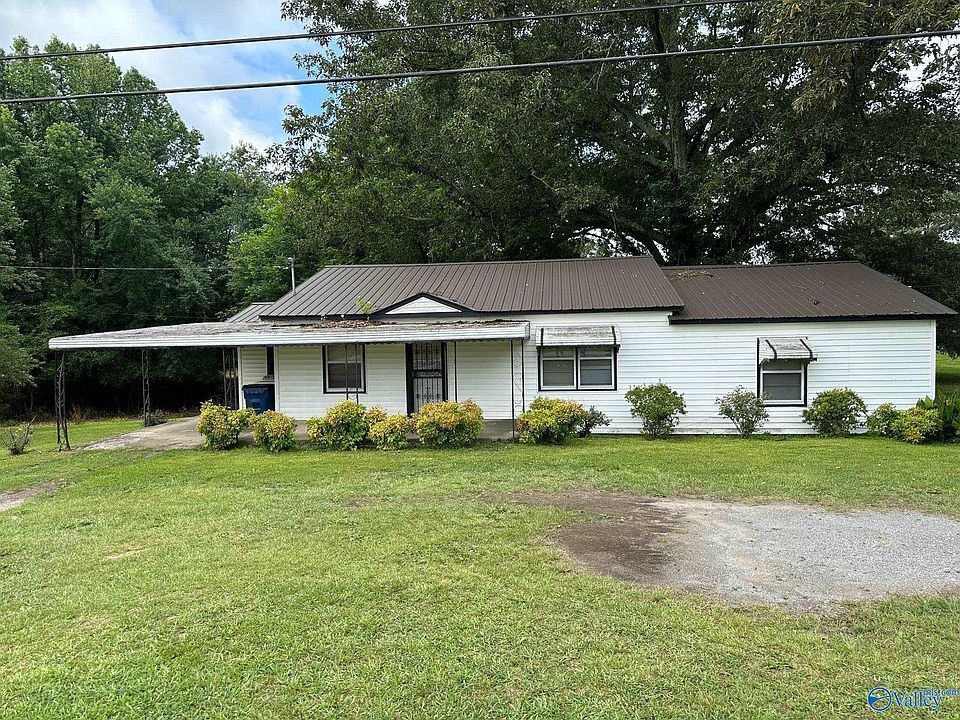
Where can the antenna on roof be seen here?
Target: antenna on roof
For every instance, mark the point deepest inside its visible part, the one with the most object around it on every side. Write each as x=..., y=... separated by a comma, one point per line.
x=293, y=276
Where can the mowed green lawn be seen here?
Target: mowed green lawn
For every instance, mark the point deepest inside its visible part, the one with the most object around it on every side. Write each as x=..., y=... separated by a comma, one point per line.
x=948, y=375
x=315, y=585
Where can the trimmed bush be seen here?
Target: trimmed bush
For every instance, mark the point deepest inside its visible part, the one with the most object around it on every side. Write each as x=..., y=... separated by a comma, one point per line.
x=391, y=432
x=658, y=407
x=594, y=419
x=744, y=409
x=344, y=427
x=917, y=425
x=221, y=426
x=449, y=424
x=835, y=413
x=275, y=431
x=881, y=420
x=550, y=421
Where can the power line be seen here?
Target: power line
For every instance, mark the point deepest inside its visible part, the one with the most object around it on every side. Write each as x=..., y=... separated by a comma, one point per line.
x=492, y=68
x=66, y=267
x=376, y=31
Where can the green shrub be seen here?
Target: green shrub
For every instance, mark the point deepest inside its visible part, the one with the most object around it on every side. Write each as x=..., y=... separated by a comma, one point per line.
x=391, y=432
x=744, y=409
x=948, y=410
x=19, y=437
x=154, y=417
x=837, y=412
x=881, y=420
x=375, y=414
x=221, y=427
x=449, y=424
x=658, y=407
x=917, y=425
x=594, y=419
x=344, y=427
x=550, y=421
x=275, y=431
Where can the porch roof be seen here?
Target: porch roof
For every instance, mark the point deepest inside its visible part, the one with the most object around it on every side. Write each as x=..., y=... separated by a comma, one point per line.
x=237, y=334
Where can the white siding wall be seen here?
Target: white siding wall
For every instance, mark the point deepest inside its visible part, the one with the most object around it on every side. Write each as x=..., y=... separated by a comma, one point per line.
x=253, y=366
x=422, y=305
x=483, y=375
x=884, y=361
x=300, y=380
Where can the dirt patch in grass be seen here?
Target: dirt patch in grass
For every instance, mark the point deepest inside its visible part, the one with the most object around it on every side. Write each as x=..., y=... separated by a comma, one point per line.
x=10, y=500
x=794, y=556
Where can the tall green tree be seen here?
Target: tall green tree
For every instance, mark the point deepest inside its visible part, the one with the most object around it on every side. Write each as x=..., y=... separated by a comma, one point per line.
x=115, y=183
x=777, y=155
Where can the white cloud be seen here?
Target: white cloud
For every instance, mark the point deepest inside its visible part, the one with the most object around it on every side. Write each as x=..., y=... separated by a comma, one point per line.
x=224, y=118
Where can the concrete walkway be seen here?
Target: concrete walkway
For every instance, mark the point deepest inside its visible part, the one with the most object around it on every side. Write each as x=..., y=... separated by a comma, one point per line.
x=183, y=435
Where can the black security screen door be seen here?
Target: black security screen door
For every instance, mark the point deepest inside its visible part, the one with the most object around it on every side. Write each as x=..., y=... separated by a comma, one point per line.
x=426, y=374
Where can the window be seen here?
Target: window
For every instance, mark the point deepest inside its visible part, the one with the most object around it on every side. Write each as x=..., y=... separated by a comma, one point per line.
x=343, y=368
x=783, y=381
x=596, y=366
x=558, y=368
x=589, y=367
x=270, y=363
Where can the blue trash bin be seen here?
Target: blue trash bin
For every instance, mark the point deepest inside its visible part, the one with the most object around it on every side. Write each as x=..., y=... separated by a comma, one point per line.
x=258, y=397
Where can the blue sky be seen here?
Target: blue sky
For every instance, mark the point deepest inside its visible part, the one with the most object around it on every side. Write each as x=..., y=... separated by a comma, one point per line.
x=225, y=118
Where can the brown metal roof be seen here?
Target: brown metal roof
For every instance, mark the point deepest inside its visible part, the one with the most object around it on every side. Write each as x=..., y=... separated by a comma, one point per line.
x=798, y=291
x=250, y=313
x=626, y=283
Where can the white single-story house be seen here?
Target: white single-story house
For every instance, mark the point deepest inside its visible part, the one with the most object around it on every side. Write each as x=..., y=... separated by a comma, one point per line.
x=503, y=333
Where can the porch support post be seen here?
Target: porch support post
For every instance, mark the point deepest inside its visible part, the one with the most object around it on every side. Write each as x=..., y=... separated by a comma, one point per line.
x=523, y=381
x=356, y=352
x=60, y=401
x=145, y=384
x=513, y=401
x=456, y=395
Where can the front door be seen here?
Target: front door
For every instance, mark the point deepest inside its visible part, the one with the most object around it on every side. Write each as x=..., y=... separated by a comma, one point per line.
x=426, y=374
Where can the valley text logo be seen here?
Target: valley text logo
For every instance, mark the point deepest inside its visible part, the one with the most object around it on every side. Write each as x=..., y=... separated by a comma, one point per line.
x=881, y=698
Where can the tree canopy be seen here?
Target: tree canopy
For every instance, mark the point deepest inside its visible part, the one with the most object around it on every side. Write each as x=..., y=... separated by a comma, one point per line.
x=116, y=183
x=842, y=152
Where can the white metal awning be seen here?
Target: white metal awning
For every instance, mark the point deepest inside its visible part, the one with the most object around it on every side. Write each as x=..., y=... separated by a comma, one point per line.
x=239, y=334
x=578, y=335
x=785, y=349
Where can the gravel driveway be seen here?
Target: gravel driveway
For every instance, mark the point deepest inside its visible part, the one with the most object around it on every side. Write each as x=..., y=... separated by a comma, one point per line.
x=795, y=556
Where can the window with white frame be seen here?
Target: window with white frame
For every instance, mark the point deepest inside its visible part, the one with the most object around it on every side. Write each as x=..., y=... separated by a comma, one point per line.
x=343, y=369
x=558, y=368
x=589, y=367
x=782, y=381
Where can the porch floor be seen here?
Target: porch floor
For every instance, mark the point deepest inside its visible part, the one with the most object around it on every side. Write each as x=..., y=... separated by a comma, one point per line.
x=182, y=435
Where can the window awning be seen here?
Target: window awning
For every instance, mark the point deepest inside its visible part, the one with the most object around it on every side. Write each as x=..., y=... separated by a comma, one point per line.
x=239, y=334
x=785, y=349
x=578, y=335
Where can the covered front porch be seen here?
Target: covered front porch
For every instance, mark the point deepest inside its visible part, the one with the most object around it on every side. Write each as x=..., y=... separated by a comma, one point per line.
x=304, y=369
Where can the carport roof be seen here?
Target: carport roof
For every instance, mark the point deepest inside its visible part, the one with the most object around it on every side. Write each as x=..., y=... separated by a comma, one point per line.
x=238, y=334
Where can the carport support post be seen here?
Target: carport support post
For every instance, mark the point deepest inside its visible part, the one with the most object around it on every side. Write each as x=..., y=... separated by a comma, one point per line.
x=60, y=401
x=145, y=384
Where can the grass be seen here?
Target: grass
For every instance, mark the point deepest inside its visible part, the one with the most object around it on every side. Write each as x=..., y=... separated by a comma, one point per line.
x=948, y=375
x=42, y=456
x=313, y=585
